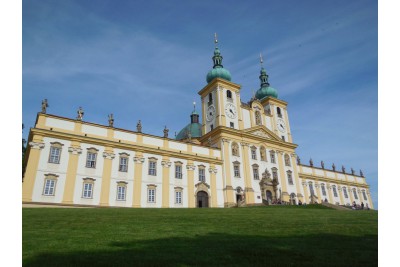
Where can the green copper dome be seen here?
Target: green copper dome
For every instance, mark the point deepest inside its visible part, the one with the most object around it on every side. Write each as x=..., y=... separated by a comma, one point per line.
x=193, y=128
x=265, y=90
x=218, y=71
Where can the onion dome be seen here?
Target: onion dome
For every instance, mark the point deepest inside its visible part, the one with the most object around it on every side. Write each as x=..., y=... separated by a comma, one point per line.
x=218, y=70
x=265, y=90
x=192, y=130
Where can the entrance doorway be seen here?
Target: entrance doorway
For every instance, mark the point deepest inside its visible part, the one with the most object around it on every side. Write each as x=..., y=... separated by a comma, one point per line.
x=269, y=196
x=202, y=199
x=293, y=198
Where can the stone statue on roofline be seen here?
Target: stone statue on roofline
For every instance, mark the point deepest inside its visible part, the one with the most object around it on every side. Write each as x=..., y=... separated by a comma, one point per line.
x=80, y=114
x=361, y=173
x=333, y=167
x=322, y=164
x=45, y=105
x=311, y=162
x=166, y=130
x=139, y=127
x=343, y=169
x=298, y=160
x=111, y=120
x=352, y=171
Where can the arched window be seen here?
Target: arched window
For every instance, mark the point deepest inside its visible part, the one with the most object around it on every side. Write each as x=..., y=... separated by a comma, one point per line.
x=253, y=152
x=229, y=94
x=310, y=185
x=278, y=111
x=287, y=160
x=262, y=154
x=272, y=154
x=258, y=118
x=364, y=194
x=355, y=193
x=345, y=192
x=235, y=149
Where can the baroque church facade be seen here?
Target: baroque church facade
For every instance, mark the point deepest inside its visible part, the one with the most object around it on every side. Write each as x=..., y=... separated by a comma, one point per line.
x=239, y=154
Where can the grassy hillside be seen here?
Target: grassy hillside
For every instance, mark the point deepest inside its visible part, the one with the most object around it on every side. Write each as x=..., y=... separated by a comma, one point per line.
x=258, y=236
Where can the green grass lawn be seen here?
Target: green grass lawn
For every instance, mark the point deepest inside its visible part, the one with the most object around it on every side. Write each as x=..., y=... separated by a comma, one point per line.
x=258, y=236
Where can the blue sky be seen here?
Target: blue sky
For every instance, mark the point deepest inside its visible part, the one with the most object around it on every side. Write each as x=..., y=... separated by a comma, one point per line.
x=148, y=59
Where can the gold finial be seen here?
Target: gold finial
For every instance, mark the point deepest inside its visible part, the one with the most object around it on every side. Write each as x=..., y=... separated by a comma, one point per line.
x=261, y=59
x=215, y=39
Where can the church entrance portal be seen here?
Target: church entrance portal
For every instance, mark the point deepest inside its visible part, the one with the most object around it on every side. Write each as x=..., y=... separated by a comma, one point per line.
x=269, y=196
x=202, y=199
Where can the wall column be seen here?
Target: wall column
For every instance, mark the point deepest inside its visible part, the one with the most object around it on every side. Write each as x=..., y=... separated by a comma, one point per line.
x=285, y=195
x=137, y=183
x=228, y=189
x=166, y=164
x=296, y=177
x=108, y=156
x=190, y=194
x=213, y=180
x=69, y=189
x=31, y=169
x=249, y=191
x=341, y=195
x=318, y=189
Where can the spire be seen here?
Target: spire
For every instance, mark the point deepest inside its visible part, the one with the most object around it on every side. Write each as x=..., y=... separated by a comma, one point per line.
x=194, y=117
x=217, y=58
x=263, y=74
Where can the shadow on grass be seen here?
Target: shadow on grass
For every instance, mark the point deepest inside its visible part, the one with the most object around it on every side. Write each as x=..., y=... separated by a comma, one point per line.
x=224, y=250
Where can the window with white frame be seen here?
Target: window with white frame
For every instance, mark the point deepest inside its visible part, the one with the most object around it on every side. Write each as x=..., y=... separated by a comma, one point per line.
x=355, y=194
x=178, y=195
x=50, y=184
x=272, y=155
x=364, y=195
x=121, y=191
x=123, y=162
x=253, y=152
x=87, y=191
x=345, y=192
x=202, y=174
x=323, y=189
x=289, y=177
x=236, y=169
x=178, y=170
x=151, y=193
x=310, y=185
x=91, y=158
x=256, y=174
x=55, y=152
x=334, y=191
x=153, y=166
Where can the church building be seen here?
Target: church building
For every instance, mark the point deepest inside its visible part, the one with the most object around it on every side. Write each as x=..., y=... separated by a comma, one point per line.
x=238, y=154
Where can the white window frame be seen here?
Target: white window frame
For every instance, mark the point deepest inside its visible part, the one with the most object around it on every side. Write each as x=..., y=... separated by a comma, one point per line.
x=54, y=155
x=178, y=197
x=345, y=192
x=323, y=190
x=151, y=195
x=256, y=175
x=121, y=192
x=153, y=171
x=49, y=188
x=123, y=164
x=178, y=171
x=273, y=158
x=334, y=191
x=91, y=158
x=253, y=153
x=236, y=170
x=355, y=194
x=202, y=174
x=290, y=178
x=87, y=191
x=364, y=195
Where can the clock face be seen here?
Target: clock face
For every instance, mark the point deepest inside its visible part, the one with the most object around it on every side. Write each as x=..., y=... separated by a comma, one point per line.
x=210, y=113
x=230, y=111
x=281, y=125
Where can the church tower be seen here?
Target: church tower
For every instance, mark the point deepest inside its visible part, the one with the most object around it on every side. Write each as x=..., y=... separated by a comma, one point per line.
x=220, y=97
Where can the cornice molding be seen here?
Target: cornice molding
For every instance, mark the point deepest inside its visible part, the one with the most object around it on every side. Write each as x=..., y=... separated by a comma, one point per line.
x=75, y=150
x=166, y=164
x=36, y=145
x=108, y=155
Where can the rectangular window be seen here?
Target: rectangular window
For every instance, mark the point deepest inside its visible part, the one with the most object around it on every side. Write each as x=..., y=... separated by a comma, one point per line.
x=253, y=154
x=323, y=190
x=345, y=193
x=152, y=168
x=151, y=195
x=364, y=195
x=123, y=164
x=290, y=179
x=54, y=155
x=232, y=125
x=355, y=194
x=311, y=188
x=272, y=158
x=178, y=171
x=211, y=127
x=334, y=191
x=202, y=175
x=49, y=186
x=91, y=160
x=121, y=192
x=283, y=138
x=236, y=171
x=178, y=197
x=87, y=190
x=256, y=175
